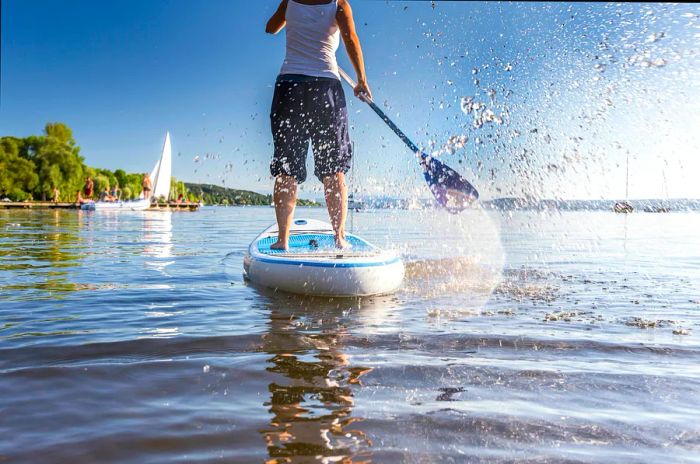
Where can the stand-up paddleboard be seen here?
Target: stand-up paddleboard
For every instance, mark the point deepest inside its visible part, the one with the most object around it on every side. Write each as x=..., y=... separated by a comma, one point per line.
x=314, y=266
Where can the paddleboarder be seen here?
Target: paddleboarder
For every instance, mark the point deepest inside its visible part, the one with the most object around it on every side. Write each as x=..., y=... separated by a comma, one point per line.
x=309, y=105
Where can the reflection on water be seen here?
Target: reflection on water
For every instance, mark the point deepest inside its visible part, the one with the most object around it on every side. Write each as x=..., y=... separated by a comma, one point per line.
x=312, y=399
x=52, y=254
x=581, y=342
x=42, y=252
x=37, y=252
x=158, y=239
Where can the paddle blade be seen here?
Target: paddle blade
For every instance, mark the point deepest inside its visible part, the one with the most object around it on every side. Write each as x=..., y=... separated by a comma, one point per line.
x=451, y=190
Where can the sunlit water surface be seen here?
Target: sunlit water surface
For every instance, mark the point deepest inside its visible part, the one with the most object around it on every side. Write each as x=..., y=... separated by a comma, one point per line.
x=133, y=337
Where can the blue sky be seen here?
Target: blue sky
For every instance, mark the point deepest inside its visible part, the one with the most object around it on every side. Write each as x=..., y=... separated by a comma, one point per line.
x=577, y=86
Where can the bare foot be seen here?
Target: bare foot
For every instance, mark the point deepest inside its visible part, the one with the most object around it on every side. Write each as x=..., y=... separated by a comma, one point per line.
x=279, y=246
x=342, y=244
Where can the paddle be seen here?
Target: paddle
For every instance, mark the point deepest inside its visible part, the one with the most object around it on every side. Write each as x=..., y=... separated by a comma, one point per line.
x=450, y=189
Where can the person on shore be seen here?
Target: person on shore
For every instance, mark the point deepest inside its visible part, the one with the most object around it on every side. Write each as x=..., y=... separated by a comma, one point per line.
x=89, y=186
x=105, y=196
x=55, y=193
x=309, y=105
x=146, y=185
x=115, y=192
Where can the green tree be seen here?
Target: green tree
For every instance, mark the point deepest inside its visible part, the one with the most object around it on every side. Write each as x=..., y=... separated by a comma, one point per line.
x=133, y=181
x=120, y=177
x=59, y=131
x=56, y=159
x=57, y=163
x=31, y=166
x=111, y=178
x=101, y=181
x=30, y=145
x=17, y=174
x=178, y=188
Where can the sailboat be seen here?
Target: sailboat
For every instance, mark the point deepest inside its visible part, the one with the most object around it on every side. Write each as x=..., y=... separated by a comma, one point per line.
x=625, y=206
x=161, y=173
x=160, y=186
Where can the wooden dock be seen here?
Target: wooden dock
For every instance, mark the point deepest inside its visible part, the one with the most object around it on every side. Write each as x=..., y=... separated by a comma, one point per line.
x=173, y=205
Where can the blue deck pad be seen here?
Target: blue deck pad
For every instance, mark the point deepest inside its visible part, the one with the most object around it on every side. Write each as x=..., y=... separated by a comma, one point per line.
x=312, y=243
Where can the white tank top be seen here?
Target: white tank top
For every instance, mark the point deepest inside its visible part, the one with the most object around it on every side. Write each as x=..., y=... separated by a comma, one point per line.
x=312, y=40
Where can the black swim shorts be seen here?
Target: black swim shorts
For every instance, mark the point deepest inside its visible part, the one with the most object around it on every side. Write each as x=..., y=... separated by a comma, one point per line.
x=307, y=109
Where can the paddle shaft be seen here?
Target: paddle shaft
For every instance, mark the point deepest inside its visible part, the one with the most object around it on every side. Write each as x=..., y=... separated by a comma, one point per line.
x=381, y=114
x=449, y=188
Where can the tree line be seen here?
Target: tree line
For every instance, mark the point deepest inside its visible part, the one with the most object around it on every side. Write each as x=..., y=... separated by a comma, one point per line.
x=217, y=195
x=31, y=167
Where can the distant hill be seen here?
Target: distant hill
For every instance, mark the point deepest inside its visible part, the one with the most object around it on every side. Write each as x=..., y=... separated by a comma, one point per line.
x=650, y=204
x=676, y=204
x=524, y=204
x=217, y=195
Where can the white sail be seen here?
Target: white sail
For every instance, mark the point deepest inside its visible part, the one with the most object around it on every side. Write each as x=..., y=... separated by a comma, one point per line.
x=154, y=176
x=161, y=174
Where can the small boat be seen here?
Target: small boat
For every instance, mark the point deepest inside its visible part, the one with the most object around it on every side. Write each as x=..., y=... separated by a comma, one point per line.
x=314, y=266
x=355, y=204
x=623, y=207
x=160, y=181
x=657, y=209
x=134, y=205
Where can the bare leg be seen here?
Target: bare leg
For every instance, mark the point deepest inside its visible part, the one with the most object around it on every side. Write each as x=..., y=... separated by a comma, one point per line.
x=336, y=192
x=285, y=199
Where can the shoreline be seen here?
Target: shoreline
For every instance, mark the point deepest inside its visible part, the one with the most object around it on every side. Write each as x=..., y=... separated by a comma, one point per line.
x=184, y=206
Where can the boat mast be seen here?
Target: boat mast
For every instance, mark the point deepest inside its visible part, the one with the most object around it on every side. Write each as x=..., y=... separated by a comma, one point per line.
x=627, y=177
x=665, y=192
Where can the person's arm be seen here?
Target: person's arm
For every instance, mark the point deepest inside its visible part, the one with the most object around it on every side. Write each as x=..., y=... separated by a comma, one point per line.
x=352, y=46
x=276, y=22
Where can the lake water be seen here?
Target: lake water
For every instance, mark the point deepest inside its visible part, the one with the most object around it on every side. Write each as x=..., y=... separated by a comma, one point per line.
x=523, y=336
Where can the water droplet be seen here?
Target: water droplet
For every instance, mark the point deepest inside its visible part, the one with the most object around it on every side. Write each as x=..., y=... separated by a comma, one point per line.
x=656, y=36
x=466, y=104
